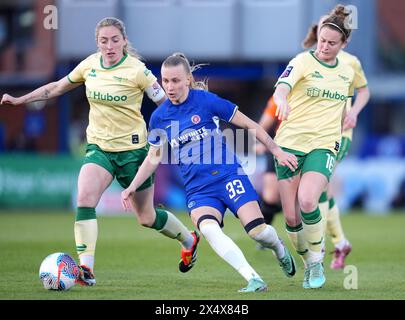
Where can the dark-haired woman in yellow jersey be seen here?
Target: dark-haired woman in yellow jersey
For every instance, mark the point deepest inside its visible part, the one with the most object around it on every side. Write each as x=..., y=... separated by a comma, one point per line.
x=311, y=95
x=327, y=205
x=115, y=81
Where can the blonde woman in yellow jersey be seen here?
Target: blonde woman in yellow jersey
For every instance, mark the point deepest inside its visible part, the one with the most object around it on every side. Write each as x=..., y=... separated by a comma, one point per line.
x=115, y=81
x=310, y=96
x=328, y=207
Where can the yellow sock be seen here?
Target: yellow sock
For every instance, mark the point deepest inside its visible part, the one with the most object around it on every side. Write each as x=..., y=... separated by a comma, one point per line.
x=334, y=226
x=86, y=231
x=324, y=209
x=298, y=240
x=170, y=226
x=312, y=225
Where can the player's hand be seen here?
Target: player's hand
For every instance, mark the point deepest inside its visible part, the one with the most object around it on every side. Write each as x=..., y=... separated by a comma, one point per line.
x=283, y=110
x=350, y=120
x=7, y=99
x=260, y=148
x=126, y=198
x=286, y=159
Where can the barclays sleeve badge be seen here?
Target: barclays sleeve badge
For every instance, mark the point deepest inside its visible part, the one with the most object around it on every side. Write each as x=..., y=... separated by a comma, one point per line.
x=286, y=72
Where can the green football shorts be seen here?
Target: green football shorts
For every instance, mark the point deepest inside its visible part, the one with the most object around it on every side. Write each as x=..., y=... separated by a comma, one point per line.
x=318, y=160
x=122, y=165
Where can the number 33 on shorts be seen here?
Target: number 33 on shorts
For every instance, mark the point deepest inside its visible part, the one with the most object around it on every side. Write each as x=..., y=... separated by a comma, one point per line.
x=234, y=187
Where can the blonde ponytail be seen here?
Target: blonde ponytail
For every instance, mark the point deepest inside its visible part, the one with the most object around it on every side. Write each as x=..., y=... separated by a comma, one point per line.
x=179, y=58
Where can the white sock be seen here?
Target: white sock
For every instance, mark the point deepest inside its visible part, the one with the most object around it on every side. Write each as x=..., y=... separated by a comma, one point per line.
x=268, y=238
x=341, y=244
x=227, y=249
x=188, y=242
x=87, y=260
x=314, y=257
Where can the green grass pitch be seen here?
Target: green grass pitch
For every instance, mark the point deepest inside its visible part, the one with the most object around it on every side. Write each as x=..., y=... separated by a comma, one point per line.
x=133, y=262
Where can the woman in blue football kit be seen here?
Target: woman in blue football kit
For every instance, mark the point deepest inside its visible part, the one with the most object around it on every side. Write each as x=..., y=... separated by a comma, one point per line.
x=214, y=180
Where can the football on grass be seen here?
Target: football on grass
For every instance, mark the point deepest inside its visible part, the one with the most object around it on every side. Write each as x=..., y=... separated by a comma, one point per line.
x=58, y=271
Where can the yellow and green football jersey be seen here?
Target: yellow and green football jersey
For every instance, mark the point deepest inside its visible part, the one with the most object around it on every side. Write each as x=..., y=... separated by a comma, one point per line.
x=115, y=96
x=317, y=99
x=359, y=81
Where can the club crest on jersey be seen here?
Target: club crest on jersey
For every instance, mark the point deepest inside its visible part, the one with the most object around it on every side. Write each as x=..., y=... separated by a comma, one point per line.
x=286, y=72
x=195, y=119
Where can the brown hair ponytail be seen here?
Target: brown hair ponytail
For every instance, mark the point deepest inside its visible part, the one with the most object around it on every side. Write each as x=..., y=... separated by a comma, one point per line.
x=311, y=38
x=337, y=21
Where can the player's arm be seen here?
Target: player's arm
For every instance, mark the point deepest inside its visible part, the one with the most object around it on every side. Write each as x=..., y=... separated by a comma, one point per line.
x=156, y=93
x=48, y=91
x=280, y=99
x=283, y=158
x=362, y=98
x=148, y=167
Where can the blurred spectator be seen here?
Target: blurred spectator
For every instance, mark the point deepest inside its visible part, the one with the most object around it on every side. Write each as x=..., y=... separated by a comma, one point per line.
x=23, y=143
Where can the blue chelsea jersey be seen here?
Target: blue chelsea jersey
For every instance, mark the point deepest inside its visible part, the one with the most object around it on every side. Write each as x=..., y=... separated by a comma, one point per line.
x=192, y=130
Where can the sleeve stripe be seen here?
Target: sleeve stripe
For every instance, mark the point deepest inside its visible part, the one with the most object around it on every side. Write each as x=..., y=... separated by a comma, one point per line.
x=233, y=114
x=71, y=81
x=155, y=145
x=284, y=83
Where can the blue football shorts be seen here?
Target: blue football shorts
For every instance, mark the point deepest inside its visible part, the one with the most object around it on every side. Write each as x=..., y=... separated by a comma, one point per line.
x=231, y=192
